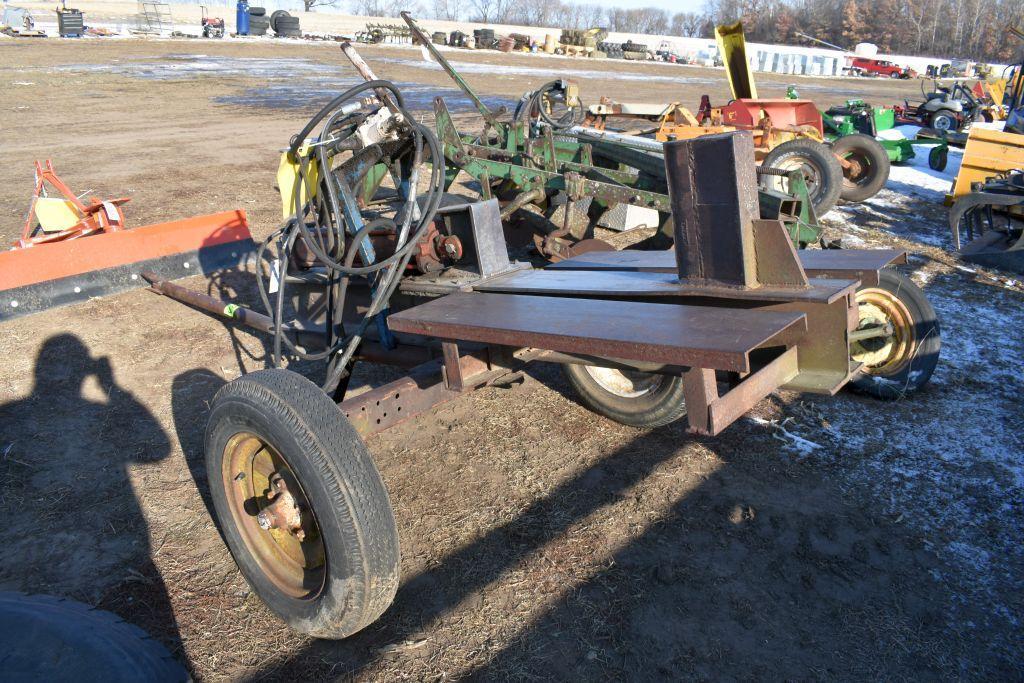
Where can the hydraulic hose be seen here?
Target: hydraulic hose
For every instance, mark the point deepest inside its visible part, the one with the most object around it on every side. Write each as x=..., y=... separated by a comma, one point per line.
x=321, y=222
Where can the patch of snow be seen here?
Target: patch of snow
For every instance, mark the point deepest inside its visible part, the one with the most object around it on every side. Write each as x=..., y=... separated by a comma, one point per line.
x=954, y=467
x=517, y=70
x=803, y=447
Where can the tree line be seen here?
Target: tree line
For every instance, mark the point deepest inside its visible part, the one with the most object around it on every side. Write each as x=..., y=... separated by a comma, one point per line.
x=971, y=29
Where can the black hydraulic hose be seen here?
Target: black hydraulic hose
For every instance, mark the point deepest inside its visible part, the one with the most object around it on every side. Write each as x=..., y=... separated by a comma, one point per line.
x=338, y=101
x=326, y=244
x=535, y=101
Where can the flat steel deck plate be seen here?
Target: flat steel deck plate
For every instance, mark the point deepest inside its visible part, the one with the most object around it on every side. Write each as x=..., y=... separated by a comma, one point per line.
x=641, y=284
x=673, y=334
x=816, y=262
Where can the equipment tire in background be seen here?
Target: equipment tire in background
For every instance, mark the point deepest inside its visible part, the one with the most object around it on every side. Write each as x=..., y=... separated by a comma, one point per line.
x=943, y=119
x=48, y=638
x=821, y=169
x=904, y=361
x=938, y=156
x=278, y=14
x=257, y=11
x=637, y=399
x=342, y=572
x=869, y=166
x=288, y=27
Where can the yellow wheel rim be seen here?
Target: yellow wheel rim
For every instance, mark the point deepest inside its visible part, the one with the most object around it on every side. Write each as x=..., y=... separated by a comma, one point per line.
x=297, y=567
x=892, y=348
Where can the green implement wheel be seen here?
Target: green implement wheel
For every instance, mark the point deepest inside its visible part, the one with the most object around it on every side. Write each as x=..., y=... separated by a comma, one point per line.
x=866, y=167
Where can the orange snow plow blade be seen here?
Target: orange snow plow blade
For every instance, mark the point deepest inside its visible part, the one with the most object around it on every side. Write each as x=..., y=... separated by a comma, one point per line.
x=46, y=275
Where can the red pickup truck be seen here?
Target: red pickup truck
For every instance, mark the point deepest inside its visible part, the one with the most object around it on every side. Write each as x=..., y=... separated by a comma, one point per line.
x=879, y=67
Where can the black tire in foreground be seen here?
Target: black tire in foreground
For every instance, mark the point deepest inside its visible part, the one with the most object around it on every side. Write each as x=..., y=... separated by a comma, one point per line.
x=868, y=166
x=821, y=170
x=274, y=433
x=637, y=399
x=46, y=638
x=903, y=359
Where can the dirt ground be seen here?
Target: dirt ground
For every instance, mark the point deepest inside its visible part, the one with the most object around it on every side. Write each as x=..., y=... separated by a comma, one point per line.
x=822, y=538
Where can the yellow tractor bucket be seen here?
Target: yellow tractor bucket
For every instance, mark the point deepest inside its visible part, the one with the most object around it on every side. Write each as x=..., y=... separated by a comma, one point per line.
x=988, y=153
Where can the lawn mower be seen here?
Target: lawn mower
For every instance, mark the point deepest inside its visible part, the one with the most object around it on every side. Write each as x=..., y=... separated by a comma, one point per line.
x=213, y=27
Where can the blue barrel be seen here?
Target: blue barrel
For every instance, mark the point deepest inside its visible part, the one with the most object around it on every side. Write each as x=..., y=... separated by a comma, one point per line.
x=242, y=18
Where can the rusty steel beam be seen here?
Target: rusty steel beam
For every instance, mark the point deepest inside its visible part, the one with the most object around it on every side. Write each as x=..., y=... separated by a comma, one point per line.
x=406, y=356
x=425, y=387
x=709, y=412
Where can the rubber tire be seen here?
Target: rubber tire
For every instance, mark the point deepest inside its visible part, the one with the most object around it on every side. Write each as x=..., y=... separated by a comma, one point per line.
x=919, y=371
x=277, y=14
x=943, y=114
x=894, y=74
x=878, y=162
x=938, y=157
x=664, y=405
x=831, y=173
x=257, y=11
x=48, y=638
x=342, y=485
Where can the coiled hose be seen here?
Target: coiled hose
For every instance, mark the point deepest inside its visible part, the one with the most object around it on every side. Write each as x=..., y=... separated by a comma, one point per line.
x=535, y=103
x=322, y=223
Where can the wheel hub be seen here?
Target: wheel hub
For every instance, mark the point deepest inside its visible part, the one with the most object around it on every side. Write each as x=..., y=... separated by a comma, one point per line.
x=885, y=340
x=283, y=512
x=273, y=516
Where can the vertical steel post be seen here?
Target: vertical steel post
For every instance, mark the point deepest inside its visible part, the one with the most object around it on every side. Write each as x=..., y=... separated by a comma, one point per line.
x=712, y=186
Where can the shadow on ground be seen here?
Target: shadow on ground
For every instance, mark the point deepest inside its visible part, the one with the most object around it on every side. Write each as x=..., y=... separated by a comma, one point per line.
x=71, y=443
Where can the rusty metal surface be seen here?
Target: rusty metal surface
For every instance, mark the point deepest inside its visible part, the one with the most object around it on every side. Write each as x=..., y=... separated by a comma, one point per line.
x=453, y=371
x=283, y=512
x=709, y=412
x=817, y=263
x=839, y=264
x=424, y=388
x=777, y=261
x=825, y=350
x=745, y=395
x=862, y=264
x=701, y=336
x=712, y=186
x=633, y=285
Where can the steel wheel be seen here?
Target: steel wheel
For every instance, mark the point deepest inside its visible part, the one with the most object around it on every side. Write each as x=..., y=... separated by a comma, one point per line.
x=625, y=383
x=273, y=516
x=819, y=168
x=807, y=169
x=885, y=340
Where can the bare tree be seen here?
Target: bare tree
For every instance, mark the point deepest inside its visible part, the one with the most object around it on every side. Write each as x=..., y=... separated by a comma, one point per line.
x=380, y=8
x=687, y=24
x=311, y=5
x=496, y=11
x=448, y=10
